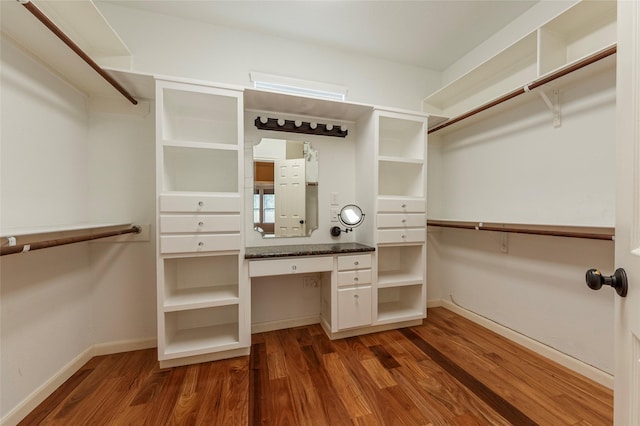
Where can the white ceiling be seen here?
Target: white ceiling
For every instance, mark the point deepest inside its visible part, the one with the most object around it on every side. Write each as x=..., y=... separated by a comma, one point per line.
x=429, y=33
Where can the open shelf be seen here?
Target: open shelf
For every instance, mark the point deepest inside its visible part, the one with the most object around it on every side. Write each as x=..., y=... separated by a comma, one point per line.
x=195, y=282
x=401, y=303
x=400, y=265
x=511, y=68
x=198, y=331
x=199, y=117
x=404, y=179
x=587, y=27
x=200, y=170
x=401, y=138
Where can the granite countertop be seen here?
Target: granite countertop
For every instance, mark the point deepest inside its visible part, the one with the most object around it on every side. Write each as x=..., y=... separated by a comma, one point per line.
x=304, y=250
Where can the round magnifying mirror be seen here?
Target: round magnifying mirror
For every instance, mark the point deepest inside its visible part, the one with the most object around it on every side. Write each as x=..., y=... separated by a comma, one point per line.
x=351, y=215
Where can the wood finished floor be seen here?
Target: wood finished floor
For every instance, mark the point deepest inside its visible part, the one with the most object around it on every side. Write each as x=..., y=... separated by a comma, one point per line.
x=448, y=371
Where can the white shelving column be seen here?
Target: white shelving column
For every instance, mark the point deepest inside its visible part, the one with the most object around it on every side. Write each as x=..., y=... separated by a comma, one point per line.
x=203, y=298
x=400, y=221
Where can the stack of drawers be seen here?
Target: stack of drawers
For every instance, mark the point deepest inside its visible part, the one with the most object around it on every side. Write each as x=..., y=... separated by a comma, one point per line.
x=401, y=221
x=354, y=291
x=199, y=223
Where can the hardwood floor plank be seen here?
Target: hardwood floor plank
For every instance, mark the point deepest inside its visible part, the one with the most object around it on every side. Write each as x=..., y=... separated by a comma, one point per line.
x=447, y=371
x=506, y=409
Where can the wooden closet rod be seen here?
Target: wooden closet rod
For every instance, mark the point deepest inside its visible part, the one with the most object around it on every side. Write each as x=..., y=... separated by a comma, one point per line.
x=62, y=36
x=536, y=83
x=521, y=230
x=24, y=248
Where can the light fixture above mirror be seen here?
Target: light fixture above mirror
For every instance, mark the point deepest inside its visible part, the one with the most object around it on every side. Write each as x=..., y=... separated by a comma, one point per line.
x=298, y=126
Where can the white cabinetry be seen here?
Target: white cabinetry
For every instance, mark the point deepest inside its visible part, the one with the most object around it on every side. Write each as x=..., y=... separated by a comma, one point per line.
x=584, y=29
x=353, y=292
x=202, y=292
x=399, y=292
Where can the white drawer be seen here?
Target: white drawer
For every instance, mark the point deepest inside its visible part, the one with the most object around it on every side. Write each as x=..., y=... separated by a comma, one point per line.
x=354, y=307
x=401, y=205
x=294, y=265
x=356, y=277
x=389, y=236
x=356, y=261
x=200, y=203
x=199, y=223
x=198, y=243
x=402, y=220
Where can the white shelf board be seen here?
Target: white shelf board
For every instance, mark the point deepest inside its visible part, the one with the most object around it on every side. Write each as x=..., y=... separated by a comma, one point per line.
x=262, y=100
x=397, y=311
x=201, y=297
x=84, y=24
x=398, y=278
x=195, y=341
x=394, y=159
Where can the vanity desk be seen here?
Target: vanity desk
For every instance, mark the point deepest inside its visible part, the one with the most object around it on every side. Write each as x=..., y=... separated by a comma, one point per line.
x=346, y=283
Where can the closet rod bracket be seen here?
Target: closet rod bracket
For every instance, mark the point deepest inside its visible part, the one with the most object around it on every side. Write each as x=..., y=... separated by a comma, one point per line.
x=553, y=104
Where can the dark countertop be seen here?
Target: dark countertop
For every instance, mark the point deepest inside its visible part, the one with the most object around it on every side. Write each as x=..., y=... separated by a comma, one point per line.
x=304, y=250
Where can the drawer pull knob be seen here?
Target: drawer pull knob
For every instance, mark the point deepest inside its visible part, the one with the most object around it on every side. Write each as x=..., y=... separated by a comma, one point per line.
x=200, y=203
x=200, y=223
x=355, y=278
x=356, y=263
x=404, y=237
x=294, y=267
x=404, y=205
x=355, y=296
x=404, y=220
x=200, y=244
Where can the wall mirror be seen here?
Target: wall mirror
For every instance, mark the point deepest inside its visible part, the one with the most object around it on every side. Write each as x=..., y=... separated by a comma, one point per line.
x=285, y=188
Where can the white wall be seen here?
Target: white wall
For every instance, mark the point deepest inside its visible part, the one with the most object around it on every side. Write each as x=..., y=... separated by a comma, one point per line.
x=121, y=155
x=172, y=46
x=45, y=296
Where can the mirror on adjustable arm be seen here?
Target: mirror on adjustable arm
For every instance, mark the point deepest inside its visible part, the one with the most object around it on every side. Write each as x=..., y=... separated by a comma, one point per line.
x=285, y=188
x=350, y=216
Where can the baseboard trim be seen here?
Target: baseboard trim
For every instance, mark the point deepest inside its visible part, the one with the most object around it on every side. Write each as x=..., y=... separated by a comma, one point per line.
x=282, y=324
x=589, y=371
x=16, y=415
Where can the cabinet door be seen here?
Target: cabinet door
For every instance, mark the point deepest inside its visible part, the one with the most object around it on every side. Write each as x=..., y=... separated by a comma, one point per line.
x=354, y=307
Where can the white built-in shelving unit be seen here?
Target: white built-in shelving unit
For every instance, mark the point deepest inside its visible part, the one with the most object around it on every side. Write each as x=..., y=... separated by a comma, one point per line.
x=400, y=202
x=584, y=29
x=202, y=292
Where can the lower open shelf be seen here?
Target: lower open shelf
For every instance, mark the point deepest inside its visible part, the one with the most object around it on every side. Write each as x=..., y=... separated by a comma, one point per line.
x=401, y=303
x=199, y=331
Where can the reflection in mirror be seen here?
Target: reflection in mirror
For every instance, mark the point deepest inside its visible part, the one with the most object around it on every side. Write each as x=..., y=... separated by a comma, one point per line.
x=285, y=188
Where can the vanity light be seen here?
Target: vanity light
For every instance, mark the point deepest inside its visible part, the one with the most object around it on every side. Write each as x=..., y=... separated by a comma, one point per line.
x=298, y=126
